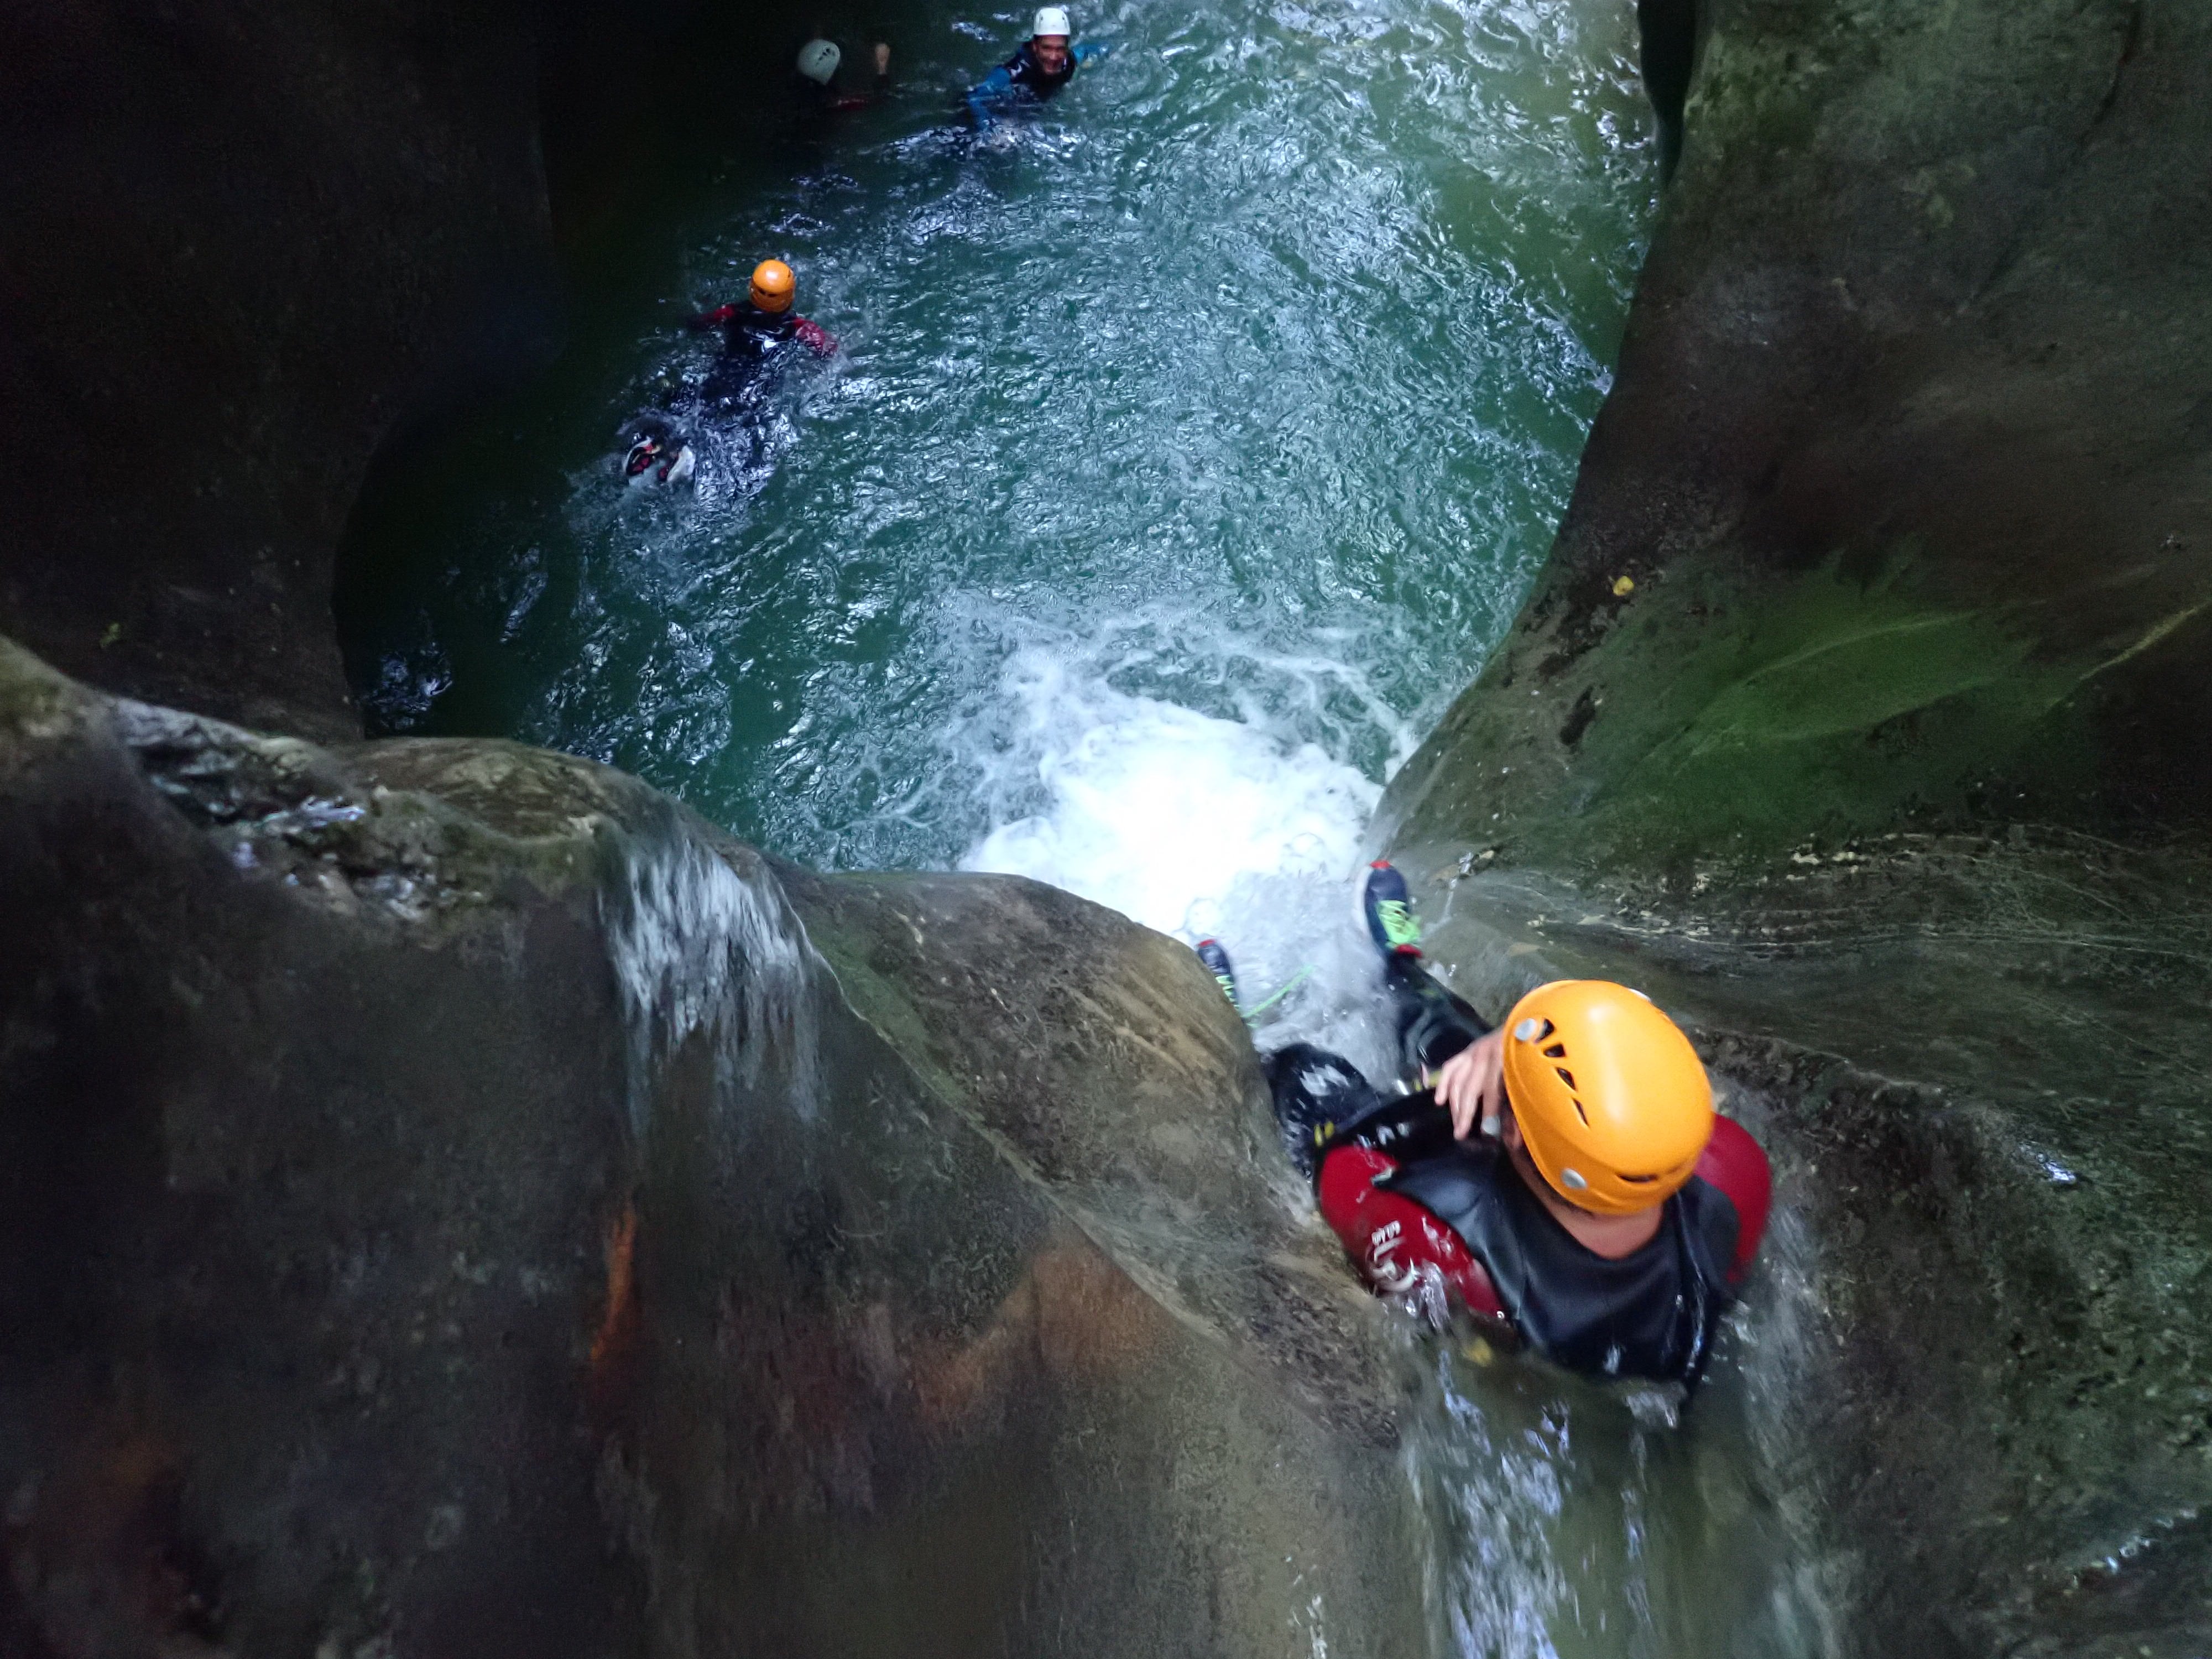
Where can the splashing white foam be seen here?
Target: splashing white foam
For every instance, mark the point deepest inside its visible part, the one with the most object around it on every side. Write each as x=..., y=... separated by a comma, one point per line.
x=1164, y=813
x=1194, y=825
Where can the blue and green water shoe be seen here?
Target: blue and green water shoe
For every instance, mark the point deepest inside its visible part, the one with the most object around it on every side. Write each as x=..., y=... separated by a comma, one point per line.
x=1217, y=964
x=1388, y=907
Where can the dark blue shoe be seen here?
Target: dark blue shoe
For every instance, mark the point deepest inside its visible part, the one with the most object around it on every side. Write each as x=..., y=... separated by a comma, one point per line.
x=1388, y=907
x=1217, y=964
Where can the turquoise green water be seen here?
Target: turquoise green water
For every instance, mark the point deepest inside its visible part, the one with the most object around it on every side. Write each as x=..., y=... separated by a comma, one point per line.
x=1189, y=448
x=1248, y=382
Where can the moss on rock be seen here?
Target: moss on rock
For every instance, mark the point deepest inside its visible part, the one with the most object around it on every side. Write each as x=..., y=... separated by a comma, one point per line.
x=1861, y=716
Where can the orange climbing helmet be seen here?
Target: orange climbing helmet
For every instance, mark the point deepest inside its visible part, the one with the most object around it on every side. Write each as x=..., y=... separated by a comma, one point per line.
x=1612, y=1101
x=773, y=285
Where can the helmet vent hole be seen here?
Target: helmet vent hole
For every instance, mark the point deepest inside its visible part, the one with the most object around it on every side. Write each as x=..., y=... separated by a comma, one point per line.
x=1557, y=1051
x=1579, y=1112
x=1565, y=1076
x=1640, y=1181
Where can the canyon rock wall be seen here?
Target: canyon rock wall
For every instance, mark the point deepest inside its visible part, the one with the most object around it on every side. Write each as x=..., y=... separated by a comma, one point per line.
x=446, y=1202
x=1860, y=716
x=242, y=246
x=246, y=248
x=1898, y=511
x=447, y=1205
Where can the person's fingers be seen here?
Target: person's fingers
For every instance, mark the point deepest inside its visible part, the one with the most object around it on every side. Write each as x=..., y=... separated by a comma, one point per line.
x=1492, y=1050
x=1455, y=1074
x=1444, y=1079
x=1492, y=1088
x=1454, y=1091
x=1472, y=1084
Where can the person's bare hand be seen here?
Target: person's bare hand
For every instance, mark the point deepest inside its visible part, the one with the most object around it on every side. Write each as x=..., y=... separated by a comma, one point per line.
x=882, y=57
x=1472, y=1083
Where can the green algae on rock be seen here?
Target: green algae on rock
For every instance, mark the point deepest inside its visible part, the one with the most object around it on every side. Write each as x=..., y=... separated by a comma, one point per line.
x=1860, y=716
x=1904, y=458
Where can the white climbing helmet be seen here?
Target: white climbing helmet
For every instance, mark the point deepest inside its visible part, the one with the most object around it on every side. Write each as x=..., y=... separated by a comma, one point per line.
x=818, y=60
x=1051, y=20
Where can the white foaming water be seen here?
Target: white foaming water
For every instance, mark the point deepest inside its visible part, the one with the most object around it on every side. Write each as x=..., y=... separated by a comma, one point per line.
x=1166, y=814
x=1196, y=825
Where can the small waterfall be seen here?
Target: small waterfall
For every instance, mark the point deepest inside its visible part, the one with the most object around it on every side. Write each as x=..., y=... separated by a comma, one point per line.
x=697, y=945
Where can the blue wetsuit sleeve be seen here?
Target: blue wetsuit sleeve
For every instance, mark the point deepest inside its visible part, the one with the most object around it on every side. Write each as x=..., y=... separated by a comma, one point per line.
x=987, y=92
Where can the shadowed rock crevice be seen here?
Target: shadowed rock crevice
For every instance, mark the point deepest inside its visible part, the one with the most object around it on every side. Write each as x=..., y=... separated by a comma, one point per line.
x=242, y=246
x=1667, y=38
x=246, y=248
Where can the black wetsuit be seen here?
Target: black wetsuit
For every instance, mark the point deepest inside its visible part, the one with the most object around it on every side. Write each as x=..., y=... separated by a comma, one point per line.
x=1022, y=79
x=1313, y=1087
x=758, y=346
x=1652, y=1313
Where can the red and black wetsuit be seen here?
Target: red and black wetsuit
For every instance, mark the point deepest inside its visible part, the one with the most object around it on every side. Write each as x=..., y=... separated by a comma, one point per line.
x=1413, y=1205
x=757, y=346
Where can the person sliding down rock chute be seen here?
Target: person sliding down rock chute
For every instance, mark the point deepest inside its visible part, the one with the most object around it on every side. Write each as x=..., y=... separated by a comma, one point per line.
x=1565, y=1179
x=1046, y=61
x=762, y=336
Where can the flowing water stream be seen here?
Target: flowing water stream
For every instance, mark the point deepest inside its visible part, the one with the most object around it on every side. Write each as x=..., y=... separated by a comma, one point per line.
x=1189, y=448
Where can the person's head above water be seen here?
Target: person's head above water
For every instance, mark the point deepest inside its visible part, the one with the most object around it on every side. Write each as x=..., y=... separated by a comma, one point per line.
x=1610, y=1100
x=1049, y=37
x=773, y=285
x=818, y=60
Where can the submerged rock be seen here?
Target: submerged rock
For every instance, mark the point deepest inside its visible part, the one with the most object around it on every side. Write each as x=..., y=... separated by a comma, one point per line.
x=1860, y=717
x=447, y=1205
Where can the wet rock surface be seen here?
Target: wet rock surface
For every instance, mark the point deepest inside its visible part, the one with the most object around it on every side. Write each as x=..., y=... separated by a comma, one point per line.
x=242, y=243
x=1990, y=1135
x=1858, y=718
x=1896, y=511
x=1103, y=1058
x=445, y=1204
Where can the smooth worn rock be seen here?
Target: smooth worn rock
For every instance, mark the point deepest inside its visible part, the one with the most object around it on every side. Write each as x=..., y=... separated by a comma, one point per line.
x=1897, y=511
x=1106, y=1061
x=445, y=1206
x=1860, y=717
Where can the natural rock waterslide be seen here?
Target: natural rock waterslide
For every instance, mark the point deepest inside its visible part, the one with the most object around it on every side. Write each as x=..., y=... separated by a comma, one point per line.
x=1860, y=713
x=453, y=1199
x=450, y=1205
